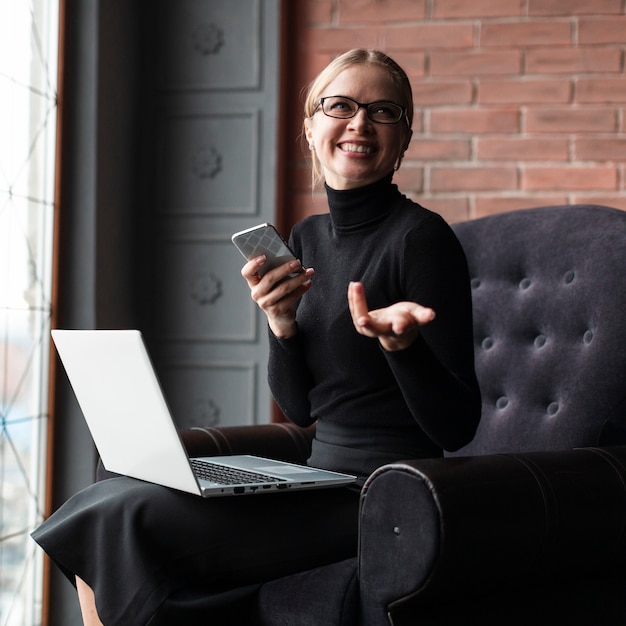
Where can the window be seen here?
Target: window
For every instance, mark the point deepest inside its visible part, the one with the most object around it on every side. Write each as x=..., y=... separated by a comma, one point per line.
x=28, y=72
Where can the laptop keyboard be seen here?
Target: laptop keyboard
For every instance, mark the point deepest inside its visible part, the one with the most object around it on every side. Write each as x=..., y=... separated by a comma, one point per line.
x=228, y=475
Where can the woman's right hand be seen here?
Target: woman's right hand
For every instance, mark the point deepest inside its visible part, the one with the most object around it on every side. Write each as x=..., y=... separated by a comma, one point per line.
x=276, y=294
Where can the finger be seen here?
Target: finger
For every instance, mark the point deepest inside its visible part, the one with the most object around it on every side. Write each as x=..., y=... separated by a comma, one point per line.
x=423, y=315
x=285, y=272
x=363, y=321
x=250, y=271
x=416, y=316
x=292, y=286
x=357, y=303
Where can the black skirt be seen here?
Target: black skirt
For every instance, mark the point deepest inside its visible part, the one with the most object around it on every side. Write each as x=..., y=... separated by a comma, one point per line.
x=137, y=545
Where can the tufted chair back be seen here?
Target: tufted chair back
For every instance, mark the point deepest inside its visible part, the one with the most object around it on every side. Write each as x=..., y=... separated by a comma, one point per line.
x=549, y=300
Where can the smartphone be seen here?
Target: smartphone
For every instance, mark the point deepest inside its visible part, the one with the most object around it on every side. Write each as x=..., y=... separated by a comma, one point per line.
x=264, y=239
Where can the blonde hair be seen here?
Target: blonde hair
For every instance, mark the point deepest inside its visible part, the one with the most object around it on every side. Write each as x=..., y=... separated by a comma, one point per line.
x=357, y=56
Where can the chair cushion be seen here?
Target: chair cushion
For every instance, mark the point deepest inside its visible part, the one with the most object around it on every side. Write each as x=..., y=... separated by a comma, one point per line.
x=326, y=595
x=549, y=299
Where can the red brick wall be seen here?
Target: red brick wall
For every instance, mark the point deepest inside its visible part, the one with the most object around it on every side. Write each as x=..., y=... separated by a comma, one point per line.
x=519, y=103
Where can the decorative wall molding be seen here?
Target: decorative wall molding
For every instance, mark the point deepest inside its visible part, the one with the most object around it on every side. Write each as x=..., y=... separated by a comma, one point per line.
x=210, y=393
x=205, y=45
x=202, y=291
x=201, y=155
x=212, y=170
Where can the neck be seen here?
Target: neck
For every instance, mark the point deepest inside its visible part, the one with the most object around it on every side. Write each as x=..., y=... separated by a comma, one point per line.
x=351, y=208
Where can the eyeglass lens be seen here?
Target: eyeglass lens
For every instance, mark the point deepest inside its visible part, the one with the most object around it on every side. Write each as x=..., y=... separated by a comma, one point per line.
x=343, y=107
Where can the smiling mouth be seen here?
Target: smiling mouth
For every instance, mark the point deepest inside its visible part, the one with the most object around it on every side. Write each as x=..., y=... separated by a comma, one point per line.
x=358, y=148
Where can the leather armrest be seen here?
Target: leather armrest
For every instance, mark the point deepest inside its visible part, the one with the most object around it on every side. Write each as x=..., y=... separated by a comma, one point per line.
x=459, y=527
x=283, y=441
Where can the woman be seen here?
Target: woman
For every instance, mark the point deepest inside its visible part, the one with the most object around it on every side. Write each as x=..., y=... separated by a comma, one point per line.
x=373, y=340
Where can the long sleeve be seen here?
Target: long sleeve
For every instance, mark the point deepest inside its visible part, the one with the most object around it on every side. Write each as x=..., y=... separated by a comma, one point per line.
x=290, y=379
x=436, y=374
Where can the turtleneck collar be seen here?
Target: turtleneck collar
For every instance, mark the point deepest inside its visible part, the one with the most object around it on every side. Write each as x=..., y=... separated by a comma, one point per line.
x=363, y=206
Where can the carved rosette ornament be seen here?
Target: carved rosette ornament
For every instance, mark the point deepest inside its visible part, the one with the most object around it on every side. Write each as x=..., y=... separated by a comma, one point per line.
x=207, y=163
x=206, y=289
x=207, y=39
x=204, y=412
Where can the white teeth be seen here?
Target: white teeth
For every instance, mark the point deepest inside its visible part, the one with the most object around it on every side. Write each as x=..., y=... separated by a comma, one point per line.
x=352, y=147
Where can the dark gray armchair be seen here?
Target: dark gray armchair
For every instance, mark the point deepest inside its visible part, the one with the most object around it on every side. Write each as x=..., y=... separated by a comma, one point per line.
x=527, y=524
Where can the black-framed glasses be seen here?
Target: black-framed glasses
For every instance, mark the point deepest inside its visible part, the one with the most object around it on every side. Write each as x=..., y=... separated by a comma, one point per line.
x=343, y=108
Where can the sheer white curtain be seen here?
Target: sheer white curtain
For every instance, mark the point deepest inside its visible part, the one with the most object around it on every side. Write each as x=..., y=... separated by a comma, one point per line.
x=28, y=74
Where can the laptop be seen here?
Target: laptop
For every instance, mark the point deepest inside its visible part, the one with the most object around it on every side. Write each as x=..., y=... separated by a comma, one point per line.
x=123, y=404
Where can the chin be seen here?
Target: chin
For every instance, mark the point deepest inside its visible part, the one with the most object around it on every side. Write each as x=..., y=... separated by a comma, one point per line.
x=360, y=180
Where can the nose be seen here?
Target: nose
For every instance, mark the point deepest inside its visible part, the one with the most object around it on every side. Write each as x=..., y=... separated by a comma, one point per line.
x=360, y=121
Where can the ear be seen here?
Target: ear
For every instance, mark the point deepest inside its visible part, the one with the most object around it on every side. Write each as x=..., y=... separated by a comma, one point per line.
x=308, y=129
x=408, y=139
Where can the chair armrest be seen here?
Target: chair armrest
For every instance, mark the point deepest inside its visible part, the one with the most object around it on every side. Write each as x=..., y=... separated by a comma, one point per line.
x=283, y=441
x=461, y=527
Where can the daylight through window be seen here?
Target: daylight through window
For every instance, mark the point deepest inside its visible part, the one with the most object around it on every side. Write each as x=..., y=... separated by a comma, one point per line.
x=28, y=73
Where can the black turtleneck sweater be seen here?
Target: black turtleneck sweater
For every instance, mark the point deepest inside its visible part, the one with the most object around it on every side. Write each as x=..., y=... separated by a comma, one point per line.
x=373, y=407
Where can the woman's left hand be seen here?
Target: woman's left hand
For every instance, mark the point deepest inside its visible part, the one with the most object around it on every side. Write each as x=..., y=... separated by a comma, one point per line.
x=395, y=326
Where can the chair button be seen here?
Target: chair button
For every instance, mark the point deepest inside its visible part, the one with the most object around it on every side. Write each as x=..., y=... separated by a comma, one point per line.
x=540, y=341
x=502, y=402
x=553, y=409
x=568, y=279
